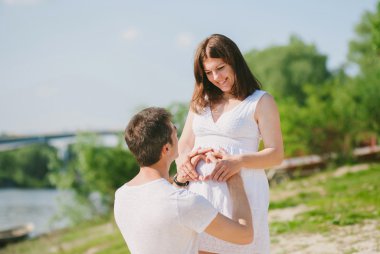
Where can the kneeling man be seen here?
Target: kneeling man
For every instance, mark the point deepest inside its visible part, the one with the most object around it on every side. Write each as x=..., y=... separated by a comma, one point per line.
x=155, y=216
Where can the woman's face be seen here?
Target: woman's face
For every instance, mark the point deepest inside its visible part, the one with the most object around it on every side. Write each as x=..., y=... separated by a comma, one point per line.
x=219, y=73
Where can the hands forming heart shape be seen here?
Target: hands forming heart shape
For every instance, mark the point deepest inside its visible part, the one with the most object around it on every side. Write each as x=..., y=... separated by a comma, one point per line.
x=226, y=165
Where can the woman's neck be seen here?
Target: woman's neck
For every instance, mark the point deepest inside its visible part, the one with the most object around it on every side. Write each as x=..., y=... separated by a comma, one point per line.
x=228, y=96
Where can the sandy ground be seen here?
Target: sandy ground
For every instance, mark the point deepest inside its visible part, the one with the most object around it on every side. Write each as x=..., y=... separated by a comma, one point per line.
x=359, y=238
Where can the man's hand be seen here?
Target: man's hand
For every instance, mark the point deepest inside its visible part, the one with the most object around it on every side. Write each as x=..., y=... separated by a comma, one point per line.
x=186, y=170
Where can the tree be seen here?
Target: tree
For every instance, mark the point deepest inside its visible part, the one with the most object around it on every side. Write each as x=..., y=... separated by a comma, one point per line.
x=283, y=70
x=28, y=166
x=364, y=49
x=365, y=52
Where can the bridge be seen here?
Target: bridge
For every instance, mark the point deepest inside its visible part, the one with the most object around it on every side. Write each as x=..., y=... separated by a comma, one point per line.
x=14, y=142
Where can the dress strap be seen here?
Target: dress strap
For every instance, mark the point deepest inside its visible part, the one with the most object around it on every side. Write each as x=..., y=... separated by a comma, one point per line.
x=253, y=99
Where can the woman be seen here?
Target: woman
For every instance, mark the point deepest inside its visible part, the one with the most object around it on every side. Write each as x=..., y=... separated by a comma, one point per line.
x=229, y=111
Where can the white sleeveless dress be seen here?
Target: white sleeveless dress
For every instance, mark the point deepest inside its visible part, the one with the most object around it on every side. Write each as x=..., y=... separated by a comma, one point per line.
x=238, y=133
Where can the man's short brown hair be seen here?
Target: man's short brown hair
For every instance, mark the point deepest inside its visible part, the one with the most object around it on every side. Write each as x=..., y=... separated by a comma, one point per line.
x=147, y=132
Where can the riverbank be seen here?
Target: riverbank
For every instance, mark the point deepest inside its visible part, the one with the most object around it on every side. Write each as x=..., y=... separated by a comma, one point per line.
x=336, y=211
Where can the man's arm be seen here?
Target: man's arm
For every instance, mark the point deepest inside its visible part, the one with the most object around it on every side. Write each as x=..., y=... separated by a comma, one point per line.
x=239, y=229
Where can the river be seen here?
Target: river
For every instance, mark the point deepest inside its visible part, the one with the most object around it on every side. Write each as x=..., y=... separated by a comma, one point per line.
x=19, y=206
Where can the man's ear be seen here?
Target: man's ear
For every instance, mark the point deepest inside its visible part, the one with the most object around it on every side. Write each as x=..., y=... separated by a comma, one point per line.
x=165, y=149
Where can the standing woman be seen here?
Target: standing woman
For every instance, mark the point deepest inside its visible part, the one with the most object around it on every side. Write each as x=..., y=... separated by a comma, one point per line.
x=230, y=113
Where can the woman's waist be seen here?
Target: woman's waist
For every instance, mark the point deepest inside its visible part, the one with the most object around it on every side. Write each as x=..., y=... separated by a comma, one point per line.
x=205, y=169
x=235, y=146
x=255, y=186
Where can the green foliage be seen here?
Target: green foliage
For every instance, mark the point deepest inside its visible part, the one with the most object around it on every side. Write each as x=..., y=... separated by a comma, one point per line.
x=283, y=70
x=179, y=112
x=28, y=166
x=365, y=52
x=365, y=48
x=325, y=123
x=293, y=130
x=94, y=167
x=335, y=117
x=332, y=123
x=367, y=94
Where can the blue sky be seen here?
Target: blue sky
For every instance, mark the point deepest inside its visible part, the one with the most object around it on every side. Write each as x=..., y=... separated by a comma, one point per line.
x=87, y=65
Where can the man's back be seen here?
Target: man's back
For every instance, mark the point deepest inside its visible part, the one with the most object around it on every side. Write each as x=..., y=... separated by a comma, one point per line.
x=157, y=218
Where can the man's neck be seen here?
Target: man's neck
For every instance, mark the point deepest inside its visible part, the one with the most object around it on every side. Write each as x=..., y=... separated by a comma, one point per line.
x=150, y=173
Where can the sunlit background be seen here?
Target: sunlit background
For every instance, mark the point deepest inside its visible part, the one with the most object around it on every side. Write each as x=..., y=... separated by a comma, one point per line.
x=85, y=65
x=72, y=73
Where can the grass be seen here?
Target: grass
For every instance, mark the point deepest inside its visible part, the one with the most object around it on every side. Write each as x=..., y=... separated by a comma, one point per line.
x=97, y=236
x=338, y=201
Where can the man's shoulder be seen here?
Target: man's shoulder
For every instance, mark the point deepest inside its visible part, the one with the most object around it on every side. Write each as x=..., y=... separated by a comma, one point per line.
x=159, y=190
x=185, y=197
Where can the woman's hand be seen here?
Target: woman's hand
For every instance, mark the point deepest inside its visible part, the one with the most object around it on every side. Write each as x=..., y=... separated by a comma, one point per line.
x=187, y=169
x=226, y=166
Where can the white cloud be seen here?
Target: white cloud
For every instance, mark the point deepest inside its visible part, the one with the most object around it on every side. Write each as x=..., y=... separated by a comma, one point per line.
x=184, y=40
x=131, y=34
x=21, y=2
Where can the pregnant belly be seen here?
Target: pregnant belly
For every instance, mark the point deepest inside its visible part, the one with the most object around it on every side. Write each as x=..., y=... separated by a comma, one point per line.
x=215, y=192
x=204, y=169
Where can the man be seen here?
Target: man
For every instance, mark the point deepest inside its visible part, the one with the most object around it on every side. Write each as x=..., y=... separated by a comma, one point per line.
x=157, y=217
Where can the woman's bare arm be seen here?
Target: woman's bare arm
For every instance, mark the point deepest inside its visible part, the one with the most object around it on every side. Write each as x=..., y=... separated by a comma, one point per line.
x=185, y=146
x=268, y=119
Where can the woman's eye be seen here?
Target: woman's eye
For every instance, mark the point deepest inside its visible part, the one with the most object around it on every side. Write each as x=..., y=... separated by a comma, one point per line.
x=221, y=67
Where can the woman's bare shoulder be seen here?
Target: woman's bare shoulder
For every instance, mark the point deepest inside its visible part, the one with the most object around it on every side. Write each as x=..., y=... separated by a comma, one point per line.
x=266, y=105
